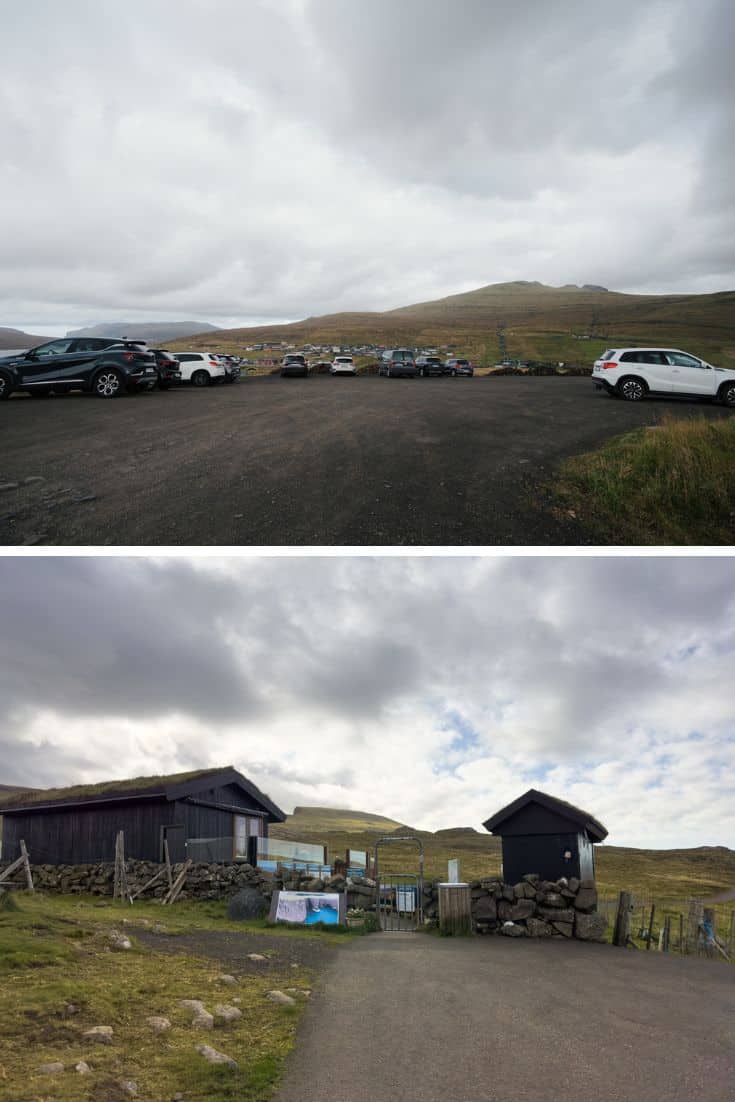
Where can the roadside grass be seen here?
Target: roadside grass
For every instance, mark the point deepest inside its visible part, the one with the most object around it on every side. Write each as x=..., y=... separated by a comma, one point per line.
x=56, y=951
x=667, y=484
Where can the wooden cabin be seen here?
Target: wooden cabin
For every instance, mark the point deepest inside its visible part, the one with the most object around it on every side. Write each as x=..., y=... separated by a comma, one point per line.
x=208, y=815
x=544, y=835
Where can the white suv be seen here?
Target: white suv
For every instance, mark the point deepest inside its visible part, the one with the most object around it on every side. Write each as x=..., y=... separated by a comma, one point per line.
x=343, y=365
x=632, y=373
x=201, y=368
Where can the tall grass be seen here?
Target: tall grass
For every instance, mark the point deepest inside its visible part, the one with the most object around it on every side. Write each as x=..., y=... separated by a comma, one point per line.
x=671, y=483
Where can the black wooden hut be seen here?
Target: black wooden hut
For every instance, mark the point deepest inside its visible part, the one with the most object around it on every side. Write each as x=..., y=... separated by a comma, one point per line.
x=209, y=815
x=544, y=835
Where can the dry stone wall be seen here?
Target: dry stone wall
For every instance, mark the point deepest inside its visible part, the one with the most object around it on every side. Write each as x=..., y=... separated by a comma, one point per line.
x=532, y=908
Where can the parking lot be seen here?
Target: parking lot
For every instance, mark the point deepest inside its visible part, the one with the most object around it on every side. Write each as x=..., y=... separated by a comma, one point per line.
x=318, y=461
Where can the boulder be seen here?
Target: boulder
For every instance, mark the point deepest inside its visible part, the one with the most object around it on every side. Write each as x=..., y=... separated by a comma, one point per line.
x=508, y=893
x=50, y=1069
x=590, y=927
x=256, y=957
x=573, y=884
x=519, y=891
x=564, y=928
x=531, y=878
x=247, y=903
x=314, y=885
x=214, y=1057
x=102, y=1034
x=504, y=910
x=280, y=997
x=225, y=1013
x=554, y=899
x=82, y=1068
x=227, y=979
x=586, y=899
x=536, y=927
x=522, y=910
x=129, y=1086
x=158, y=1024
x=551, y=914
x=485, y=910
x=509, y=929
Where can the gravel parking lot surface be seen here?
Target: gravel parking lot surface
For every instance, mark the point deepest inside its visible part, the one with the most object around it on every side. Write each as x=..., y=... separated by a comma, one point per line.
x=318, y=461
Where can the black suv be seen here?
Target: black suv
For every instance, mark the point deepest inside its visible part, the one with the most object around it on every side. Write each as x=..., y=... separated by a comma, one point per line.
x=429, y=365
x=167, y=368
x=105, y=367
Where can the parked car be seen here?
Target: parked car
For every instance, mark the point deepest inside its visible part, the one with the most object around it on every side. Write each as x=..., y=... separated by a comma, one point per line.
x=294, y=363
x=633, y=373
x=200, y=368
x=343, y=365
x=103, y=366
x=429, y=365
x=396, y=362
x=167, y=367
x=232, y=367
x=457, y=366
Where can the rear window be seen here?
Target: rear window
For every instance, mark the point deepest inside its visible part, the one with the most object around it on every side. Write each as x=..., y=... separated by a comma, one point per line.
x=609, y=355
x=188, y=357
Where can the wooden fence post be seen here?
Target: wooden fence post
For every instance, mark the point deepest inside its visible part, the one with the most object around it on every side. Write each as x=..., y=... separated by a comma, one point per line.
x=650, y=926
x=26, y=865
x=682, y=947
x=621, y=933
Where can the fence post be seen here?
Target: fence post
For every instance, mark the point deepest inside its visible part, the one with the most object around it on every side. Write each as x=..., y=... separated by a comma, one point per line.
x=621, y=933
x=650, y=926
x=682, y=947
x=694, y=921
x=26, y=865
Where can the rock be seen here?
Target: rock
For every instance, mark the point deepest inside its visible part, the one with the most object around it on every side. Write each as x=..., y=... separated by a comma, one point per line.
x=573, y=884
x=485, y=910
x=508, y=893
x=280, y=997
x=178, y=1097
x=129, y=1085
x=226, y=1013
x=230, y=980
x=509, y=929
x=303, y=993
x=504, y=910
x=522, y=910
x=214, y=1057
x=553, y=899
x=256, y=956
x=70, y=1009
x=529, y=891
x=531, y=878
x=191, y=1004
x=9, y=486
x=536, y=927
x=587, y=884
x=201, y=1018
x=519, y=891
x=247, y=903
x=552, y=914
x=121, y=943
x=564, y=928
x=102, y=1034
x=586, y=899
x=33, y=478
x=590, y=927
x=83, y=1068
x=50, y=1069
x=314, y=885
x=158, y=1024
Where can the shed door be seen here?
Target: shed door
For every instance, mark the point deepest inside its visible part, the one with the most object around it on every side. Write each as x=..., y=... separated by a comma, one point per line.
x=176, y=842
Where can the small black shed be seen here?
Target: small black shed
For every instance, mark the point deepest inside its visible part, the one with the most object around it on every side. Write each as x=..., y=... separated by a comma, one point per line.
x=209, y=815
x=547, y=836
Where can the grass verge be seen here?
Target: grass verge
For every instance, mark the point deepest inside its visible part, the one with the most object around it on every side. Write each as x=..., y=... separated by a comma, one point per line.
x=667, y=484
x=59, y=976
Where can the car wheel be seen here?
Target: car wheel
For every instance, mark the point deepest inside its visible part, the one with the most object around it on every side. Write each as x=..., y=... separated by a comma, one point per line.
x=633, y=390
x=163, y=386
x=107, y=383
x=201, y=378
x=727, y=394
x=6, y=386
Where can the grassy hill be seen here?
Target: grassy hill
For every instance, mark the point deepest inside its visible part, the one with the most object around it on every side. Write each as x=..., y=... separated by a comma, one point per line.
x=537, y=322
x=673, y=876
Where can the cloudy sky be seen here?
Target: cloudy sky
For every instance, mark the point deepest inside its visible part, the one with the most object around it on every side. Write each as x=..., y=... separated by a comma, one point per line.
x=234, y=163
x=430, y=690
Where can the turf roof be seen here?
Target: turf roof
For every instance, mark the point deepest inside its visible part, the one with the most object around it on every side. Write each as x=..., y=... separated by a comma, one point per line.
x=105, y=789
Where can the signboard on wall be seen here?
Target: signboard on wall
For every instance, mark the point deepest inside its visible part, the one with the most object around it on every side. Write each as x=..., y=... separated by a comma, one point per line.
x=308, y=908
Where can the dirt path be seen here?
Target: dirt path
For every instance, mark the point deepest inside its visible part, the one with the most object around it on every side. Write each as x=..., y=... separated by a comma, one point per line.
x=422, y=1019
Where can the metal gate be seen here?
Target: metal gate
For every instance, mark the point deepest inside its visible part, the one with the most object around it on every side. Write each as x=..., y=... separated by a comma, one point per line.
x=399, y=895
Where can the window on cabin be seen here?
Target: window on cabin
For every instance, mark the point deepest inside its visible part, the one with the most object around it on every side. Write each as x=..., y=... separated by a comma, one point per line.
x=244, y=828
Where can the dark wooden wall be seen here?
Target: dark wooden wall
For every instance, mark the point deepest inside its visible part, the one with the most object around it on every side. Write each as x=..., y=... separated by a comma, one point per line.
x=85, y=835
x=535, y=819
x=542, y=854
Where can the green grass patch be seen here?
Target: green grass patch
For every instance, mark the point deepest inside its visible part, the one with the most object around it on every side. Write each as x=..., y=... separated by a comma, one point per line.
x=667, y=484
x=55, y=951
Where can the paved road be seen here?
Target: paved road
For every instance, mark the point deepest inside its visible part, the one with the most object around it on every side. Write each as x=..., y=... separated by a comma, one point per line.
x=317, y=461
x=416, y=1019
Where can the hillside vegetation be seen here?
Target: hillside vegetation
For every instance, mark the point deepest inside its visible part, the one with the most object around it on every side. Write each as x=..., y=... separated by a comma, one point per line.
x=672, y=875
x=536, y=322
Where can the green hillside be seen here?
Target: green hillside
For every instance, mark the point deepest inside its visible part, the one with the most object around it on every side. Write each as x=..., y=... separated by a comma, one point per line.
x=673, y=875
x=570, y=324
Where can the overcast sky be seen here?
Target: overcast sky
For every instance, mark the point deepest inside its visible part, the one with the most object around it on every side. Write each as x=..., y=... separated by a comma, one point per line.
x=430, y=690
x=238, y=162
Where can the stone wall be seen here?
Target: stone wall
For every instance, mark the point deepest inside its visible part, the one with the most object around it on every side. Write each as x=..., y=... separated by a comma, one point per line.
x=532, y=908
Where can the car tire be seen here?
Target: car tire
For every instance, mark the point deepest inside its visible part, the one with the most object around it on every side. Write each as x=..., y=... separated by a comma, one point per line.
x=6, y=386
x=163, y=386
x=727, y=395
x=201, y=378
x=632, y=389
x=108, y=383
